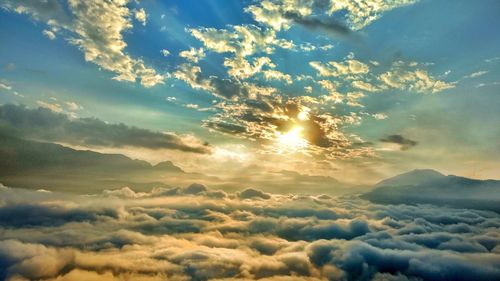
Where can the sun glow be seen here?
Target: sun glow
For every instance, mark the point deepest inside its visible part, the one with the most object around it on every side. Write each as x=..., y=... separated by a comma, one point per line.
x=304, y=114
x=292, y=139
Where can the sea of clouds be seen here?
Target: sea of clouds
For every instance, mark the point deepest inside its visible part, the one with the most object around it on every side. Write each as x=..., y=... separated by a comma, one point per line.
x=195, y=233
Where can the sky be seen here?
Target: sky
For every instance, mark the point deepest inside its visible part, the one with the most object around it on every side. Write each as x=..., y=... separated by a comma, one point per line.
x=355, y=90
x=269, y=140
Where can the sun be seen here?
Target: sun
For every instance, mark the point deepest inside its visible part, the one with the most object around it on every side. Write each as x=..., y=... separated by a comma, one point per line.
x=292, y=139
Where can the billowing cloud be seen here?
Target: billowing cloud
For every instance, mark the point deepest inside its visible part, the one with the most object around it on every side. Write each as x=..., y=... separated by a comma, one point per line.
x=195, y=233
x=46, y=124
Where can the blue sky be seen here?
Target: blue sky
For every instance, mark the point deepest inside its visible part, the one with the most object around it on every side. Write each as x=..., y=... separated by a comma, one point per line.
x=432, y=69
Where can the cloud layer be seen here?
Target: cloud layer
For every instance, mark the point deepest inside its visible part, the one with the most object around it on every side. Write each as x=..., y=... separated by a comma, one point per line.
x=196, y=233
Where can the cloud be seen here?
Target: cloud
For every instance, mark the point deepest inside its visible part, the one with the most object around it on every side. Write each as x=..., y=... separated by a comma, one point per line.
x=193, y=55
x=40, y=11
x=55, y=107
x=241, y=68
x=165, y=52
x=141, y=16
x=246, y=109
x=5, y=86
x=188, y=234
x=277, y=75
x=359, y=14
x=401, y=140
x=476, y=74
x=49, y=34
x=96, y=28
x=348, y=67
x=331, y=26
x=241, y=40
x=405, y=76
x=355, y=254
x=266, y=118
x=322, y=14
x=253, y=193
x=47, y=125
x=380, y=116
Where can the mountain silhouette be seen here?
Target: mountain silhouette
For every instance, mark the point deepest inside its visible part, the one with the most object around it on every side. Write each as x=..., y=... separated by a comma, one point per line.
x=35, y=165
x=431, y=187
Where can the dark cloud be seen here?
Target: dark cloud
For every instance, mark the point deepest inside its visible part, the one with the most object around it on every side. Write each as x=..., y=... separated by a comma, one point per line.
x=319, y=21
x=46, y=125
x=227, y=88
x=225, y=127
x=401, y=140
x=187, y=234
x=360, y=259
x=330, y=26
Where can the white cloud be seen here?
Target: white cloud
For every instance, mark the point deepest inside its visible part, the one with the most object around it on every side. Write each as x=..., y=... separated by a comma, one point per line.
x=73, y=106
x=240, y=67
x=476, y=74
x=407, y=77
x=495, y=83
x=193, y=55
x=5, y=86
x=273, y=74
x=49, y=34
x=165, y=52
x=365, y=86
x=52, y=106
x=141, y=16
x=380, y=116
x=493, y=59
x=241, y=40
x=345, y=68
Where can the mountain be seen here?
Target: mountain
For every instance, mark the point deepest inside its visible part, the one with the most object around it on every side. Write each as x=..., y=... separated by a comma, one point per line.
x=32, y=164
x=39, y=165
x=167, y=166
x=432, y=187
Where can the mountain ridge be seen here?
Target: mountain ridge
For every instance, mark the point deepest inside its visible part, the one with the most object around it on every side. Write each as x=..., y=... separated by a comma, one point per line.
x=32, y=164
x=428, y=186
